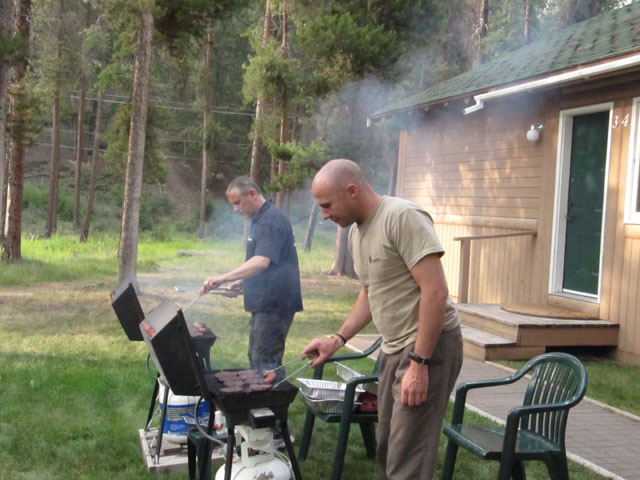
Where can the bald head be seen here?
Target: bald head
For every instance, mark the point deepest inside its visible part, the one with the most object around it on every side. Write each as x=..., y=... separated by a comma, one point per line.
x=342, y=193
x=339, y=173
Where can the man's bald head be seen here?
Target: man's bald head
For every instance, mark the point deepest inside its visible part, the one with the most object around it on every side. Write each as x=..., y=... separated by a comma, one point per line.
x=342, y=192
x=339, y=173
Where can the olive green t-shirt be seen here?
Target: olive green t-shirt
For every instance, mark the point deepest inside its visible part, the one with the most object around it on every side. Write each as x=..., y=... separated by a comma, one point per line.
x=385, y=248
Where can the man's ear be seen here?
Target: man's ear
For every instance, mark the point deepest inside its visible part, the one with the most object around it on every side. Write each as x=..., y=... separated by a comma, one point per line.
x=352, y=189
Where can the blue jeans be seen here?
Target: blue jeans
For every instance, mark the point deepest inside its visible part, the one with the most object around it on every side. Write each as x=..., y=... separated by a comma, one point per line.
x=267, y=335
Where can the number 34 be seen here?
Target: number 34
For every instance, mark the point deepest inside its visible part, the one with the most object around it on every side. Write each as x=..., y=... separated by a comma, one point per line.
x=616, y=121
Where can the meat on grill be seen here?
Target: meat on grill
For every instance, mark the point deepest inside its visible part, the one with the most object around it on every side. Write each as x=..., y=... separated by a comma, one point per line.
x=242, y=381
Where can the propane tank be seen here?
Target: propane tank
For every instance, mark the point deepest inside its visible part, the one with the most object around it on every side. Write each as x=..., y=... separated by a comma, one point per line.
x=257, y=458
x=180, y=407
x=273, y=470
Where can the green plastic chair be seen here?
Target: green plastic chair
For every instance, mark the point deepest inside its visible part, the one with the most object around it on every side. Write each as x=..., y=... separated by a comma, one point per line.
x=347, y=416
x=533, y=431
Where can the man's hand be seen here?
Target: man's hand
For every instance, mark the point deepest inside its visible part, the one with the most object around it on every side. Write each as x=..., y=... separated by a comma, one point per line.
x=233, y=289
x=210, y=283
x=415, y=385
x=322, y=347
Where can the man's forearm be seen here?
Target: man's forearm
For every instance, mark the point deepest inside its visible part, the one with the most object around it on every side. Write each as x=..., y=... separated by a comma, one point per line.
x=359, y=317
x=248, y=269
x=430, y=321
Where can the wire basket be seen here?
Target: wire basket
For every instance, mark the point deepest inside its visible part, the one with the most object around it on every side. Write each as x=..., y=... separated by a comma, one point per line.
x=347, y=373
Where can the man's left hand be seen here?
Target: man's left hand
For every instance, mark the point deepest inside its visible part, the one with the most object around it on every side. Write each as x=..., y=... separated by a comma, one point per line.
x=415, y=385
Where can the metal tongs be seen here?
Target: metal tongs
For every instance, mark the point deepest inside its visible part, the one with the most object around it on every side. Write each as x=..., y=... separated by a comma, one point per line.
x=215, y=291
x=311, y=356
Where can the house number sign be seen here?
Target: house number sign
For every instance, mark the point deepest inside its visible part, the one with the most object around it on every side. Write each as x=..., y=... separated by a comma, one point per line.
x=616, y=121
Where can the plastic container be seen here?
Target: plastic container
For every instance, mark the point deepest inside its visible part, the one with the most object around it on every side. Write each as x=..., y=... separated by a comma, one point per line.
x=180, y=414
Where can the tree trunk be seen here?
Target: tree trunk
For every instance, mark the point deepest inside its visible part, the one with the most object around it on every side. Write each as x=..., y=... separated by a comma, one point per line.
x=481, y=31
x=128, y=249
x=6, y=11
x=80, y=127
x=11, y=248
x=393, y=178
x=311, y=227
x=280, y=196
x=54, y=170
x=95, y=167
x=205, y=129
x=256, y=145
x=343, y=263
x=54, y=167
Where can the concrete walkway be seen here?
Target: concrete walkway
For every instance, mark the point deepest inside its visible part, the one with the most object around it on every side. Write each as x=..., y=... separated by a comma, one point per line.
x=600, y=437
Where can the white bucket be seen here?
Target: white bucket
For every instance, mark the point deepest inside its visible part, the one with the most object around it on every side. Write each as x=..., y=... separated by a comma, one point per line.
x=179, y=407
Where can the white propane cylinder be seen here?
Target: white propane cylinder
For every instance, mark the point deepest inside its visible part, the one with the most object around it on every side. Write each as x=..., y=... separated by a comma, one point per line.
x=274, y=469
x=178, y=407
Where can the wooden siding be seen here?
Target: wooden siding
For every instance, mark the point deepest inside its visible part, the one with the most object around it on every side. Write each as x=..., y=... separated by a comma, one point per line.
x=477, y=175
x=500, y=269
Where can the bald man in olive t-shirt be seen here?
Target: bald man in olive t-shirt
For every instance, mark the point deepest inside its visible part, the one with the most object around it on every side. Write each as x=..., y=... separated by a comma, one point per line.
x=404, y=293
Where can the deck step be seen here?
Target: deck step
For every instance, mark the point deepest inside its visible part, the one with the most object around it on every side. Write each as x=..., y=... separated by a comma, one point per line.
x=531, y=331
x=487, y=346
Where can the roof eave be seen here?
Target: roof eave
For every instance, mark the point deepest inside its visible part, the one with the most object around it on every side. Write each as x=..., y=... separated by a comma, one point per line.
x=582, y=72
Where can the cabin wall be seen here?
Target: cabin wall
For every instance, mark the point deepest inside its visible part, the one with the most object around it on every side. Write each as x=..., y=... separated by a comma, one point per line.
x=478, y=175
x=478, y=178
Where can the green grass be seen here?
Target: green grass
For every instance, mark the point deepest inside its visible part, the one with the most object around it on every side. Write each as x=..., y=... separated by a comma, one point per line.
x=74, y=391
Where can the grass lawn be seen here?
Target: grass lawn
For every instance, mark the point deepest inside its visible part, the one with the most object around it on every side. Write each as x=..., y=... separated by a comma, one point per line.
x=74, y=391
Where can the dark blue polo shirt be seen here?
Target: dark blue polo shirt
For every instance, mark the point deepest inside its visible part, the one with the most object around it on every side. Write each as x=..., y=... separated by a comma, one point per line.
x=277, y=288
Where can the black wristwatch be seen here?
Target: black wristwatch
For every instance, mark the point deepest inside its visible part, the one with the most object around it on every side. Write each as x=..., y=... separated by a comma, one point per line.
x=418, y=359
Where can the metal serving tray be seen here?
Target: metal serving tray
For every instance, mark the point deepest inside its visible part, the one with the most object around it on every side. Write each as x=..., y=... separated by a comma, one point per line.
x=347, y=373
x=326, y=405
x=324, y=389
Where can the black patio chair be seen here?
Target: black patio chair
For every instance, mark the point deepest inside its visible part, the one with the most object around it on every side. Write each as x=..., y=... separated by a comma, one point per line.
x=533, y=431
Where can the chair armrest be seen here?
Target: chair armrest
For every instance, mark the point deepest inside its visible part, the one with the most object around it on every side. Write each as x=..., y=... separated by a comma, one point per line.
x=317, y=372
x=350, y=392
x=520, y=411
x=461, y=393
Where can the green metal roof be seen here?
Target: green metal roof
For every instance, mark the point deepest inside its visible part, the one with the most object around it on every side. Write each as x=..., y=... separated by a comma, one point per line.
x=609, y=35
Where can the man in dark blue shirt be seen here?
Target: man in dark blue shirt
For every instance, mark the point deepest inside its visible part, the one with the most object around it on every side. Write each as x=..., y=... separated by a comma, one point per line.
x=269, y=277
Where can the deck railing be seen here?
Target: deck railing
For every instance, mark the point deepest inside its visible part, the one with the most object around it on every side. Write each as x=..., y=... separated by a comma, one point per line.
x=465, y=258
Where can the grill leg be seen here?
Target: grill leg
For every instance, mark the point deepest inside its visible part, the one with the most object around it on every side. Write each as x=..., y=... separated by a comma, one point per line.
x=156, y=387
x=230, y=446
x=162, y=420
x=290, y=451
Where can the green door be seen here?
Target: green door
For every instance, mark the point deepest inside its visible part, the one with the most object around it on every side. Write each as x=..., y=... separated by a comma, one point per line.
x=585, y=203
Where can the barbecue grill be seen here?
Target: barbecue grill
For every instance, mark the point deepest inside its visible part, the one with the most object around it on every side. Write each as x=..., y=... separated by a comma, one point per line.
x=126, y=305
x=181, y=366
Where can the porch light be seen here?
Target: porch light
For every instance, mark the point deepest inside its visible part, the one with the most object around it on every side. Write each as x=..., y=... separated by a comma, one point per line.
x=533, y=134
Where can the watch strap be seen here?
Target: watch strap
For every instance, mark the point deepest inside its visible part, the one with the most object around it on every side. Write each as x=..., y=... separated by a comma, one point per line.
x=418, y=359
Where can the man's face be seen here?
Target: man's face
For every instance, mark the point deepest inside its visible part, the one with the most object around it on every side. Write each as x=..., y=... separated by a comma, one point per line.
x=246, y=205
x=336, y=203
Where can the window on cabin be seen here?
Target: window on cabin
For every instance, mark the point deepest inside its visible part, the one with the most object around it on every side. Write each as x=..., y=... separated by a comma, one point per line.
x=632, y=207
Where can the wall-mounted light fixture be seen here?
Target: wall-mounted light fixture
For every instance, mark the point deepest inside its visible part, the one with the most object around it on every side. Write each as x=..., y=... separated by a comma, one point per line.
x=533, y=134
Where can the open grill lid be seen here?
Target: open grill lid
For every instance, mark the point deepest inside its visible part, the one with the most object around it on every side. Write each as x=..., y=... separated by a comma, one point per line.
x=172, y=349
x=128, y=310
x=178, y=358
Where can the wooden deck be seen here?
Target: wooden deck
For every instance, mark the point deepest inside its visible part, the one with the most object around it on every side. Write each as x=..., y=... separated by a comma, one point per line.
x=491, y=333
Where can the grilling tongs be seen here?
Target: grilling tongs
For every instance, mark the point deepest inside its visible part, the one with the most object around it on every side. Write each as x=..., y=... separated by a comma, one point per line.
x=310, y=356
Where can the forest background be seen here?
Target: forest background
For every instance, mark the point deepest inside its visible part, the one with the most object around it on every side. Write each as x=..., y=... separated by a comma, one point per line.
x=125, y=116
